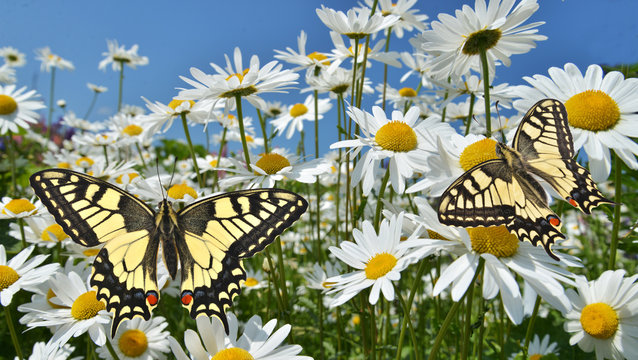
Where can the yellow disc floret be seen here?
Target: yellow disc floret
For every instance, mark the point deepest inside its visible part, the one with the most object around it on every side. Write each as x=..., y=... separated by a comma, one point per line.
x=477, y=153
x=56, y=231
x=51, y=294
x=380, y=265
x=599, y=320
x=396, y=136
x=18, y=206
x=298, y=110
x=132, y=130
x=178, y=191
x=592, y=110
x=86, y=306
x=233, y=354
x=272, y=163
x=320, y=57
x=495, y=240
x=407, y=92
x=133, y=343
x=175, y=103
x=7, y=105
x=251, y=281
x=7, y=276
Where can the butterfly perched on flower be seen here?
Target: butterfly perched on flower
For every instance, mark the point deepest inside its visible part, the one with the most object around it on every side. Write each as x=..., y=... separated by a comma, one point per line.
x=504, y=191
x=207, y=238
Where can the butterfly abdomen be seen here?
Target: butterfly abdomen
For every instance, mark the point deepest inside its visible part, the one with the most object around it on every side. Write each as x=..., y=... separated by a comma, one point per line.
x=166, y=233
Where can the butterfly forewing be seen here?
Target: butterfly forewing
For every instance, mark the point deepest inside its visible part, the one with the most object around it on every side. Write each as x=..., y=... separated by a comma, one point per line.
x=92, y=211
x=218, y=232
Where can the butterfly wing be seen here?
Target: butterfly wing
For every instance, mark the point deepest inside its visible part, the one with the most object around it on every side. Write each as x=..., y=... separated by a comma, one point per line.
x=544, y=140
x=92, y=211
x=217, y=233
x=492, y=194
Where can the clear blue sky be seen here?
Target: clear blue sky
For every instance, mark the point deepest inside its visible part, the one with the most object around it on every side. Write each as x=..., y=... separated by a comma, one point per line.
x=177, y=35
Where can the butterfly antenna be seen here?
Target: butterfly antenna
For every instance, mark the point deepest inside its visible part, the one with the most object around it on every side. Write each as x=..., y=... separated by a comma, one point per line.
x=159, y=178
x=170, y=182
x=500, y=124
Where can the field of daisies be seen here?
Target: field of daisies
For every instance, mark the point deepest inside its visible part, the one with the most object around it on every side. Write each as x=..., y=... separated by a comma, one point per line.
x=368, y=272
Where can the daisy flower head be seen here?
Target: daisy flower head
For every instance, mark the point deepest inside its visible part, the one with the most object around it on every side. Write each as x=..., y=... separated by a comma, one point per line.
x=398, y=139
x=50, y=60
x=341, y=52
x=496, y=29
x=604, y=315
x=13, y=57
x=41, y=231
x=334, y=80
x=20, y=208
x=293, y=119
x=377, y=260
x=96, y=88
x=300, y=58
x=78, y=311
x=139, y=339
x=18, y=273
x=18, y=108
x=50, y=351
x=602, y=111
x=118, y=55
x=409, y=19
x=161, y=115
x=236, y=81
x=538, y=349
x=7, y=74
x=357, y=23
x=258, y=342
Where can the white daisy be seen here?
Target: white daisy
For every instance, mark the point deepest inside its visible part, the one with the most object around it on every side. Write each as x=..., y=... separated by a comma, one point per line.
x=398, y=139
x=96, y=88
x=257, y=342
x=13, y=57
x=340, y=53
x=50, y=60
x=139, y=339
x=161, y=116
x=602, y=111
x=297, y=113
x=18, y=108
x=235, y=80
x=334, y=80
x=18, y=273
x=50, y=351
x=20, y=208
x=604, y=315
x=300, y=58
x=409, y=20
x=118, y=55
x=7, y=74
x=41, y=231
x=357, y=23
x=81, y=311
x=378, y=260
x=456, y=41
x=539, y=348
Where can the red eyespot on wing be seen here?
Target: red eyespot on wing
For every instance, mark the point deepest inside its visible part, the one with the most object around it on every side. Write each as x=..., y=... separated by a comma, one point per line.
x=555, y=221
x=152, y=298
x=187, y=297
x=572, y=202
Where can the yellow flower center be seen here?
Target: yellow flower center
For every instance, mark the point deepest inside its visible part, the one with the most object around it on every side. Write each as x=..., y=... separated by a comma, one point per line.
x=233, y=354
x=592, y=110
x=272, y=163
x=178, y=191
x=84, y=162
x=55, y=230
x=435, y=235
x=51, y=294
x=131, y=176
x=7, y=105
x=396, y=136
x=328, y=284
x=380, y=265
x=481, y=40
x=599, y=320
x=86, y=306
x=497, y=241
x=249, y=139
x=407, y=92
x=18, y=206
x=132, y=130
x=133, y=343
x=90, y=252
x=356, y=320
x=360, y=50
x=535, y=357
x=238, y=75
x=175, y=103
x=64, y=165
x=7, y=277
x=213, y=163
x=477, y=153
x=317, y=56
x=251, y=281
x=298, y=110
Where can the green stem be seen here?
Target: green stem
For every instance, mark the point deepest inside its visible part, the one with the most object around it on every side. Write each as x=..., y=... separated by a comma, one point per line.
x=451, y=315
x=385, y=68
x=479, y=343
x=618, y=199
x=317, y=184
x=51, y=95
x=106, y=155
x=111, y=350
x=468, y=321
x=192, y=151
x=282, y=278
x=406, y=317
x=470, y=114
x=22, y=235
x=262, y=122
x=321, y=336
x=12, y=331
x=119, y=91
x=219, y=157
x=12, y=164
x=88, y=111
x=139, y=150
x=486, y=95
x=244, y=144
x=384, y=184
x=406, y=320
x=530, y=326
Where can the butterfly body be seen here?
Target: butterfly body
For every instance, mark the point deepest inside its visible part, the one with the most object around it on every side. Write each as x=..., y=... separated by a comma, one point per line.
x=505, y=191
x=207, y=239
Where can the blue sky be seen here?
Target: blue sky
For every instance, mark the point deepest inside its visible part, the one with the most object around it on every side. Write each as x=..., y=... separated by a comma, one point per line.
x=178, y=35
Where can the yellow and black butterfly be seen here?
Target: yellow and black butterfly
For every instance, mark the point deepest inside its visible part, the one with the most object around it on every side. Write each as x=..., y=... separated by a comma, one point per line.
x=209, y=238
x=503, y=191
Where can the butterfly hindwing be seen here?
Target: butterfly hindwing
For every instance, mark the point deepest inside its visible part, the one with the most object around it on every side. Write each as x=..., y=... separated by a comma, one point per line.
x=220, y=231
x=92, y=211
